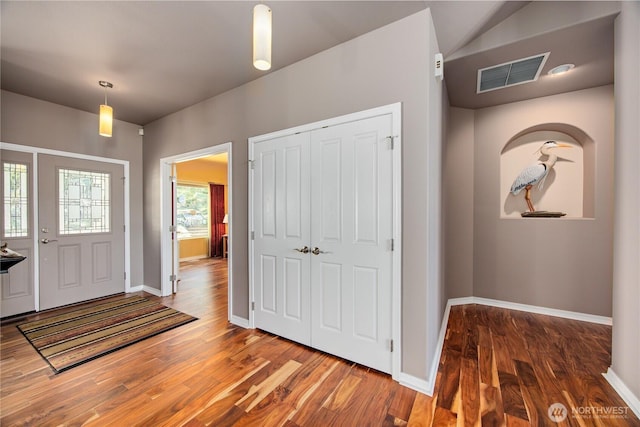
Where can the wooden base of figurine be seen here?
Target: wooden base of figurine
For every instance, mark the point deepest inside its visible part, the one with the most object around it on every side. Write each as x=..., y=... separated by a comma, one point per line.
x=542, y=214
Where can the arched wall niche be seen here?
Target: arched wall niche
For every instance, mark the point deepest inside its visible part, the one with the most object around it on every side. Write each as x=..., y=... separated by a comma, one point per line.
x=569, y=186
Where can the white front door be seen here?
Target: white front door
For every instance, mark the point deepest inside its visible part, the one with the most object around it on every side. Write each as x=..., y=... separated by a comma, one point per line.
x=16, y=187
x=281, y=234
x=351, y=235
x=322, y=204
x=80, y=230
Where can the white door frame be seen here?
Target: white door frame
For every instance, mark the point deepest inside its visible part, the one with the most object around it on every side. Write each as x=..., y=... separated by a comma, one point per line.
x=396, y=304
x=166, y=206
x=127, y=217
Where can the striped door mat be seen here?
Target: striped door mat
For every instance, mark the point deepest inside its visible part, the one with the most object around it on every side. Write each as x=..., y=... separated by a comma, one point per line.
x=72, y=338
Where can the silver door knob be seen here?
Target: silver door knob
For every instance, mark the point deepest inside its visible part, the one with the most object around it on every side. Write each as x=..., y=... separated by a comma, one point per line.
x=45, y=241
x=317, y=251
x=304, y=250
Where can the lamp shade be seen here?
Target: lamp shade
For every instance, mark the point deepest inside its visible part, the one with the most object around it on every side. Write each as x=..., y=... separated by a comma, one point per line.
x=225, y=220
x=262, y=37
x=106, y=121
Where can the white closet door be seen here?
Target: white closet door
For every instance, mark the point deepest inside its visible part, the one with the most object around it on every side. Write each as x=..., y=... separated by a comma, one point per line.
x=281, y=232
x=351, y=232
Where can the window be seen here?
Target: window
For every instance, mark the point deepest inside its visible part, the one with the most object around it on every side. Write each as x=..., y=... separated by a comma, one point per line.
x=84, y=202
x=192, y=210
x=16, y=200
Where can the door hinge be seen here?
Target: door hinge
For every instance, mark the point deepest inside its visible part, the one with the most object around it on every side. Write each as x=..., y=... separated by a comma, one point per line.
x=172, y=278
x=393, y=244
x=253, y=306
x=125, y=275
x=124, y=179
x=124, y=228
x=392, y=139
x=251, y=164
x=391, y=346
x=253, y=235
x=173, y=229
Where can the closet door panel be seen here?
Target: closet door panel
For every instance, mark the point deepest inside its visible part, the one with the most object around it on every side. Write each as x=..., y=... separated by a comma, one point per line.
x=281, y=231
x=351, y=232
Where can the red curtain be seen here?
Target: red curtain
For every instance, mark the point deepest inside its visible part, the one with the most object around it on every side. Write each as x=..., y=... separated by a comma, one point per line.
x=216, y=215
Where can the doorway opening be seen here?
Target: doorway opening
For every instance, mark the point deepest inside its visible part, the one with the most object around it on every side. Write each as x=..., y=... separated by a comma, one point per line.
x=201, y=207
x=196, y=213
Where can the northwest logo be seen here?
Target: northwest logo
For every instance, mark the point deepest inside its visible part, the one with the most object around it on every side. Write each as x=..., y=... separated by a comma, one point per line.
x=557, y=412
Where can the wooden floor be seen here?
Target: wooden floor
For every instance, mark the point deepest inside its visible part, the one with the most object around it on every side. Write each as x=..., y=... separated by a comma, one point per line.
x=498, y=367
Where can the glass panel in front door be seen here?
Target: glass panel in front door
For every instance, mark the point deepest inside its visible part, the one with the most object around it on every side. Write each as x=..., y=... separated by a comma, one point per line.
x=84, y=202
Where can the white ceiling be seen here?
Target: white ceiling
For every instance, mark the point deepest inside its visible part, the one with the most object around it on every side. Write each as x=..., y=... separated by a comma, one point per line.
x=163, y=56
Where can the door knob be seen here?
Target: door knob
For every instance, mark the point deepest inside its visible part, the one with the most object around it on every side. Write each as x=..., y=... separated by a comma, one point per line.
x=45, y=241
x=317, y=251
x=304, y=250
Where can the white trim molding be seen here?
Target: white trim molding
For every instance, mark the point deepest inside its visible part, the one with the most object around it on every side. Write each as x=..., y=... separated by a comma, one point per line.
x=573, y=315
x=193, y=258
x=415, y=383
x=150, y=290
x=239, y=321
x=625, y=393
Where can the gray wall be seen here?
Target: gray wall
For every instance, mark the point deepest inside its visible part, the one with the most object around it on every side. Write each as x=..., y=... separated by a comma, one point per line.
x=458, y=203
x=388, y=65
x=626, y=268
x=36, y=123
x=559, y=263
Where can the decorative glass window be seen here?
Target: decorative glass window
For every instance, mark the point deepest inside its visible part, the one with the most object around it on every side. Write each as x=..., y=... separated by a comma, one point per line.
x=84, y=202
x=16, y=200
x=193, y=210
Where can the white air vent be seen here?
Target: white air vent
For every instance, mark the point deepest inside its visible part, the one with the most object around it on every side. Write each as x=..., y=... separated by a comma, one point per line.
x=512, y=73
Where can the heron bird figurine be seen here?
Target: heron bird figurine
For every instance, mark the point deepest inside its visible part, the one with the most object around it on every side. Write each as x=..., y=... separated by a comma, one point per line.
x=536, y=173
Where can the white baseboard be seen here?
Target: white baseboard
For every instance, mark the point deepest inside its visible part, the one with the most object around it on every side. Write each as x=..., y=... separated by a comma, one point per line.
x=152, y=291
x=625, y=393
x=193, y=258
x=573, y=315
x=239, y=321
x=433, y=373
x=137, y=288
x=429, y=384
x=415, y=383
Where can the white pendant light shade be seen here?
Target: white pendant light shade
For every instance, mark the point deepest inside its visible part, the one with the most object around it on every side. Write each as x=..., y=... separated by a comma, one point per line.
x=262, y=37
x=105, y=125
x=106, y=121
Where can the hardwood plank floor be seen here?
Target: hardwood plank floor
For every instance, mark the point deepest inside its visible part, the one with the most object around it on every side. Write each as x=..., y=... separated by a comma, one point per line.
x=498, y=368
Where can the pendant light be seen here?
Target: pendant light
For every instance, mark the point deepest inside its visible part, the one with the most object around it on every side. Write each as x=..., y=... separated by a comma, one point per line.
x=262, y=37
x=106, y=113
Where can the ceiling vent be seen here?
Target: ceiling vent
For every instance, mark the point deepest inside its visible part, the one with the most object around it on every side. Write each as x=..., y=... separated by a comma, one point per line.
x=512, y=73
